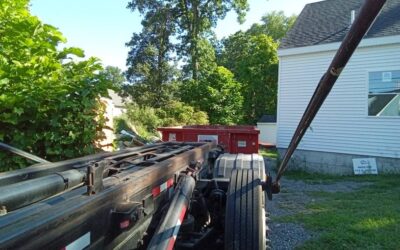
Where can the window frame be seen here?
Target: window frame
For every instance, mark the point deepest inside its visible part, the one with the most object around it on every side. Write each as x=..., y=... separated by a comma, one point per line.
x=367, y=92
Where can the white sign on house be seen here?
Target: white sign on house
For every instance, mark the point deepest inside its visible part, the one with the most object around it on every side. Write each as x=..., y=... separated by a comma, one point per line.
x=365, y=166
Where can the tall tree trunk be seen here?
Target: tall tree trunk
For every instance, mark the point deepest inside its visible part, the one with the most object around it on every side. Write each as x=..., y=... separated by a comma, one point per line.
x=194, y=38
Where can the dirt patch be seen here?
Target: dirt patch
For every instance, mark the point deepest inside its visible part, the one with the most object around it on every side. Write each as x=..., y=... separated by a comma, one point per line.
x=293, y=199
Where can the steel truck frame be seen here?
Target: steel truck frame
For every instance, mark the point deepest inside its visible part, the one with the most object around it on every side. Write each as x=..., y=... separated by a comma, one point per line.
x=157, y=197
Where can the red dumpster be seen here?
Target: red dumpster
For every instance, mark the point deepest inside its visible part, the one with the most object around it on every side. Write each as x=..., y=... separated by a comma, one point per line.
x=234, y=139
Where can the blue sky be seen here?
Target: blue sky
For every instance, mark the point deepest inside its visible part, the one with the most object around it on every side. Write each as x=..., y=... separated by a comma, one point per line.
x=102, y=27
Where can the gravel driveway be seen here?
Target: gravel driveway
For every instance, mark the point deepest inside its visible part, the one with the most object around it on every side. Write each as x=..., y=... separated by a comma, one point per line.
x=293, y=198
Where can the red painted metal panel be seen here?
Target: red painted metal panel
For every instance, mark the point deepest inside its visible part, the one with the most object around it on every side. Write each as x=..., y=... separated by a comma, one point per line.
x=234, y=139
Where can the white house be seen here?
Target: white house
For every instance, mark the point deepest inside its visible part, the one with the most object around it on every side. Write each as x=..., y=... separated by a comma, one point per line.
x=361, y=116
x=267, y=127
x=115, y=106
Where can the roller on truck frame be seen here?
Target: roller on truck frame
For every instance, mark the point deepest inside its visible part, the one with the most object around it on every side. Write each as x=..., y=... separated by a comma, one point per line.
x=188, y=195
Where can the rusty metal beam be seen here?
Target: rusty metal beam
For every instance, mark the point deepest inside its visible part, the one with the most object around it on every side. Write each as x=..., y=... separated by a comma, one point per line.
x=33, y=227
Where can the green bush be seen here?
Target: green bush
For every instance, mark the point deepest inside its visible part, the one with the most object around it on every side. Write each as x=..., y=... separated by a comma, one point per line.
x=143, y=116
x=121, y=123
x=146, y=120
x=218, y=94
x=176, y=113
x=49, y=104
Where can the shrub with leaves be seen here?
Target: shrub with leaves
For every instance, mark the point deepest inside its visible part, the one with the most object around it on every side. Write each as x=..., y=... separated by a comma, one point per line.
x=49, y=104
x=218, y=94
x=176, y=113
x=145, y=120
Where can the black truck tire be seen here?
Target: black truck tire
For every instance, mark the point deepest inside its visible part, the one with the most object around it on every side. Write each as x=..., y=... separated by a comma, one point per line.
x=245, y=212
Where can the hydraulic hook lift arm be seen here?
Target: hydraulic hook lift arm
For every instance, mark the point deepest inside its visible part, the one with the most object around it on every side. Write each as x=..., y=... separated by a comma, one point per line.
x=368, y=13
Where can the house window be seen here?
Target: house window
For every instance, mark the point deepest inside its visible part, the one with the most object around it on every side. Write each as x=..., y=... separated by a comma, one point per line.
x=384, y=93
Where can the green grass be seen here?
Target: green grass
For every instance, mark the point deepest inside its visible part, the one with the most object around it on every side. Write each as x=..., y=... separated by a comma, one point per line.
x=317, y=178
x=368, y=218
x=270, y=153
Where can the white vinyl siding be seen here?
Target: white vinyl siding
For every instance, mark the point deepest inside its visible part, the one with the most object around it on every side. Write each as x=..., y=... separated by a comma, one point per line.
x=342, y=125
x=267, y=132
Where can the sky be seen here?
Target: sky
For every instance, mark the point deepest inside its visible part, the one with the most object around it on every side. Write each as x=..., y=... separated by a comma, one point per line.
x=102, y=27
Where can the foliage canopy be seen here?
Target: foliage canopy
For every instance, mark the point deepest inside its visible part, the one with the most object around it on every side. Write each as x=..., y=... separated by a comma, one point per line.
x=274, y=24
x=145, y=120
x=188, y=21
x=149, y=67
x=182, y=30
x=254, y=62
x=219, y=95
x=49, y=104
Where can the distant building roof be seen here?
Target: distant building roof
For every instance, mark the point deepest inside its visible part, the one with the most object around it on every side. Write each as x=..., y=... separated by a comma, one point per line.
x=116, y=99
x=268, y=118
x=328, y=21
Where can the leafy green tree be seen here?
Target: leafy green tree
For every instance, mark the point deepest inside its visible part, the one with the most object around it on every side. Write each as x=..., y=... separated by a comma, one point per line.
x=149, y=68
x=192, y=20
x=254, y=61
x=49, y=104
x=206, y=61
x=115, y=76
x=274, y=24
x=176, y=113
x=195, y=20
x=219, y=95
x=252, y=57
x=231, y=53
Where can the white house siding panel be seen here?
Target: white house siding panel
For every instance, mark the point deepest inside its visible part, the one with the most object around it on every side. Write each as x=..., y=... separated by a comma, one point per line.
x=267, y=132
x=342, y=125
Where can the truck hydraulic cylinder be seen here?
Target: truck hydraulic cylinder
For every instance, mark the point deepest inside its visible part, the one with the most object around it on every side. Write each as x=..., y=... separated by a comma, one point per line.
x=166, y=234
x=27, y=192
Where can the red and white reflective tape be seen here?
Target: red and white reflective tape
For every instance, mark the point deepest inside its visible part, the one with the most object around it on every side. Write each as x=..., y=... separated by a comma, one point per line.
x=159, y=189
x=172, y=240
x=79, y=243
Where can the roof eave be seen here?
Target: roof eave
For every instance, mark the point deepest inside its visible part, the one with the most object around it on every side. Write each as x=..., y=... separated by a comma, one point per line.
x=366, y=42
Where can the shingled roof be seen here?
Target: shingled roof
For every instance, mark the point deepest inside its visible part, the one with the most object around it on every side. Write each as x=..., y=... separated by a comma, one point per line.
x=328, y=21
x=267, y=119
